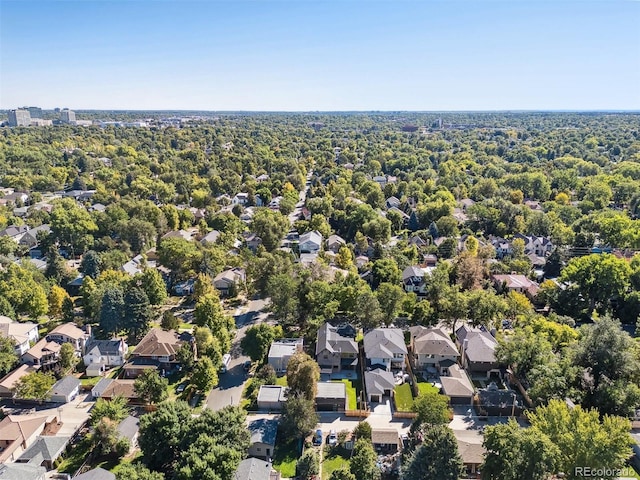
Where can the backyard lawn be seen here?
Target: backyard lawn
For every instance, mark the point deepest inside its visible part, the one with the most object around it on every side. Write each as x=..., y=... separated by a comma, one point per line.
x=285, y=458
x=334, y=458
x=352, y=396
x=426, y=387
x=282, y=381
x=403, y=398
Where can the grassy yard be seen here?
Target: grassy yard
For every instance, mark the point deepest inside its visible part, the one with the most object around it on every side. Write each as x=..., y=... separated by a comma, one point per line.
x=403, y=398
x=334, y=458
x=282, y=381
x=425, y=387
x=352, y=396
x=285, y=458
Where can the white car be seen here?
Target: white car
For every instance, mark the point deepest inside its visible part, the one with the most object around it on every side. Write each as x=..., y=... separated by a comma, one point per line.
x=332, y=439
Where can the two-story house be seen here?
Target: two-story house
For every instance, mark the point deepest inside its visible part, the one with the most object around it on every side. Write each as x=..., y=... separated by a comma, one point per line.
x=385, y=347
x=335, y=352
x=433, y=349
x=43, y=354
x=230, y=279
x=281, y=352
x=414, y=279
x=515, y=283
x=536, y=245
x=22, y=333
x=241, y=199
x=69, y=333
x=103, y=354
x=310, y=242
x=478, y=351
x=158, y=349
x=335, y=242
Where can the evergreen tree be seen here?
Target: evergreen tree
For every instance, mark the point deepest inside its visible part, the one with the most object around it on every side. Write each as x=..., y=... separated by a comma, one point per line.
x=112, y=311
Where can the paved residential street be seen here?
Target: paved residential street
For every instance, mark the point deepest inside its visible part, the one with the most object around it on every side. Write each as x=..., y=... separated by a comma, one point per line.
x=229, y=390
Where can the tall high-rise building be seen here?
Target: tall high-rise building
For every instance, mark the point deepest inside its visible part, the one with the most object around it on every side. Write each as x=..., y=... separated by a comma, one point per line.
x=68, y=116
x=19, y=118
x=35, y=112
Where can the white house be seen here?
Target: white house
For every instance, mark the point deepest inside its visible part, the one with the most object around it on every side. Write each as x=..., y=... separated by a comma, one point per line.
x=240, y=199
x=102, y=354
x=281, y=351
x=385, y=347
x=69, y=333
x=414, y=279
x=310, y=242
x=21, y=333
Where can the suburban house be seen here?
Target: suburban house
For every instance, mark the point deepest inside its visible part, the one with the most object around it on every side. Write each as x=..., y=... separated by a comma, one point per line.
x=536, y=245
x=17, y=434
x=379, y=383
x=20, y=471
x=385, y=347
x=128, y=428
x=457, y=386
x=272, y=397
x=334, y=242
x=414, y=279
x=44, y=451
x=180, y=234
x=43, y=354
x=230, y=279
x=515, y=283
x=331, y=396
x=69, y=333
x=96, y=474
x=255, y=469
x=499, y=402
x=240, y=199
x=185, y=288
x=310, y=242
x=253, y=241
x=385, y=440
x=472, y=455
x=502, y=247
x=65, y=390
x=119, y=387
x=8, y=382
x=21, y=333
x=263, y=438
x=157, y=349
x=433, y=349
x=210, y=238
x=478, y=351
x=392, y=202
x=14, y=232
x=30, y=237
x=281, y=351
x=103, y=354
x=335, y=352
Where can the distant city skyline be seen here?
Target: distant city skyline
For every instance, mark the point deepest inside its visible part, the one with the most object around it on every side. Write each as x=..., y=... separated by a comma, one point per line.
x=280, y=55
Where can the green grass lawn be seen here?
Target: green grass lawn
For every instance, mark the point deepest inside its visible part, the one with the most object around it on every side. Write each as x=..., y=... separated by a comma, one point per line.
x=334, y=458
x=282, y=381
x=403, y=398
x=90, y=381
x=425, y=387
x=285, y=458
x=352, y=397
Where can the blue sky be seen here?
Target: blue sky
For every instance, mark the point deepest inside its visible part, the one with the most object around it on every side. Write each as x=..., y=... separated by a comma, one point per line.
x=321, y=55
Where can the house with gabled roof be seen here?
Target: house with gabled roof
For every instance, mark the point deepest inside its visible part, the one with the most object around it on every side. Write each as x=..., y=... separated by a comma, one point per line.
x=158, y=349
x=69, y=333
x=44, y=451
x=263, y=437
x=232, y=278
x=255, y=469
x=334, y=352
x=515, y=283
x=22, y=471
x=385, y=347
x=433, y=348
x=335, y=242
x=310, y=242
x=414, y=279
x=43, y=354
x=103, y=354
x=477, y=351
x=379, y=383
x=17, y=433
x=457, y=386
x=22, y=333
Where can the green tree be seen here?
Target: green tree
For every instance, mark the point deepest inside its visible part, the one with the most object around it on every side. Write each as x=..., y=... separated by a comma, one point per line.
x=67, y=356
x=437, y=458
x=516, y=453
x=136, y=471
x=283, y=290
x=185, y=355
x=209, y=313
x=303, y=374
x=270, y=226
x=205, y=459
x=342, y=473
x=308, y=465
x=363, y=461
x=204, y=376
x=137, y=313
x=150, y=386
x=598, y=278
x=90, y=264
x=583, y=438
x=154, y=286
x=72, y=225
x=112, y=309
x=169, y=320
x=115, y=409
x=299, y=416
x=257, y=340
x=362, y=430
x=431, y=408
x=8, y=356
x=34, y=386
x=390, y=298
x=107, y=440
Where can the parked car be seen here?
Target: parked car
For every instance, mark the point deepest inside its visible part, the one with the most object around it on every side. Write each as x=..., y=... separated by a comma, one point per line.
x=247, y=365
x=226, y=359
x=332, y=439
x=181, y=388
x=317, y=437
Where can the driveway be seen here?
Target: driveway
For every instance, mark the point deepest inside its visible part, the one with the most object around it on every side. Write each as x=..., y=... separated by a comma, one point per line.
x=231, y=383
